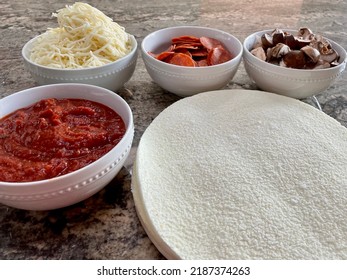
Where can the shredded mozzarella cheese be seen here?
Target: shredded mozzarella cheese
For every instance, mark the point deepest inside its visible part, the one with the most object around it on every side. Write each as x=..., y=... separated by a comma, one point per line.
x=86, y=37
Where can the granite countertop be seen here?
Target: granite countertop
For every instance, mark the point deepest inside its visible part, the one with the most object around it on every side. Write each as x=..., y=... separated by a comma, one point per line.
x=106, y=226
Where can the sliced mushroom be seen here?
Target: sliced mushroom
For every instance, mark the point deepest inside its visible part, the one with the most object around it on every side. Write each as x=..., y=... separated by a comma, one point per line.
x=321, y=44
x=259, y=52
x=301, y=42
x=334, y=63
x=279, y=50
x=290, y=41
x=320, y=38
x=321, y=64
x=277, y=36
x=312, y=53
x=267, y=41
x=269, y=54
x=330, y=57
x=295, y=59
x=276, y=30
x=305, y=33
x=327, y=53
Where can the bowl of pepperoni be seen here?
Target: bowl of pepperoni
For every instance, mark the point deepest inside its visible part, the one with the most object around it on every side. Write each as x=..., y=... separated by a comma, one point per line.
x=187, y=60
x=60, y=144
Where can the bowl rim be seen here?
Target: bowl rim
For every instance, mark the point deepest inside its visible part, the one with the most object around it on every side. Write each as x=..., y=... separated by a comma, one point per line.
x=27, y=45
x=341, y=64
x=128, y=133
x=151, y=58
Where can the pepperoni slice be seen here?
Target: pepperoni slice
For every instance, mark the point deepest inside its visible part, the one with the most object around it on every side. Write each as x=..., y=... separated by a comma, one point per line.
x=186, y=46
x=210, y=43
x=199, y=52
x=217, y=56
x=185, y=51
x=192, y=51
x=194, y=44
x=162, y=56
x=181, y=59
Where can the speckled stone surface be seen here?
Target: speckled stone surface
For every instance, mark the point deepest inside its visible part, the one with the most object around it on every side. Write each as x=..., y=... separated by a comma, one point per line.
x=106, y=226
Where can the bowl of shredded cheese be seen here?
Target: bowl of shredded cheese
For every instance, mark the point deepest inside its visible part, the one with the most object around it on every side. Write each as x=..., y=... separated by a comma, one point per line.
x=88, y=47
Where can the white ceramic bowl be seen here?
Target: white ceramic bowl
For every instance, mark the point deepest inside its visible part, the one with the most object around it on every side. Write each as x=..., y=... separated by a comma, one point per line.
x=111, y=76
x=78, y=185
x=296, y=83
x=186, y=81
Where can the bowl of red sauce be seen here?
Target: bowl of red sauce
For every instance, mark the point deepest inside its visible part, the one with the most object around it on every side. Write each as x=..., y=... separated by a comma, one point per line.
x=186, y=60
x=60, y=144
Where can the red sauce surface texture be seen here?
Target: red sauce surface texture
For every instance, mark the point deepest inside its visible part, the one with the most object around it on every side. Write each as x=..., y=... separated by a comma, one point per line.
x=55, y=137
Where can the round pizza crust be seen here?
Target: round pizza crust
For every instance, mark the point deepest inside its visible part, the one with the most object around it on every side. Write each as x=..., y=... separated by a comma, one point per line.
x=240, y=174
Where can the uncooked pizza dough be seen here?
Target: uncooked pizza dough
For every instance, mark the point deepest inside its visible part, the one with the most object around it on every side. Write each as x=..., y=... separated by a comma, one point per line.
x=238, y=174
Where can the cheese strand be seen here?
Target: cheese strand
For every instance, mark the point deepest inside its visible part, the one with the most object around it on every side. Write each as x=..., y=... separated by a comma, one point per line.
x=86, y=37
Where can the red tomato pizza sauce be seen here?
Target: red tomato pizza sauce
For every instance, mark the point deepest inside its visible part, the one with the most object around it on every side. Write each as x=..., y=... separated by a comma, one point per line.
x=55, y=137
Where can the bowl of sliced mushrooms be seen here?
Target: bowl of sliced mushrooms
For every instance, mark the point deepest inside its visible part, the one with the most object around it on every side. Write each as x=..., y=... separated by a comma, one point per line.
x=296, y=63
